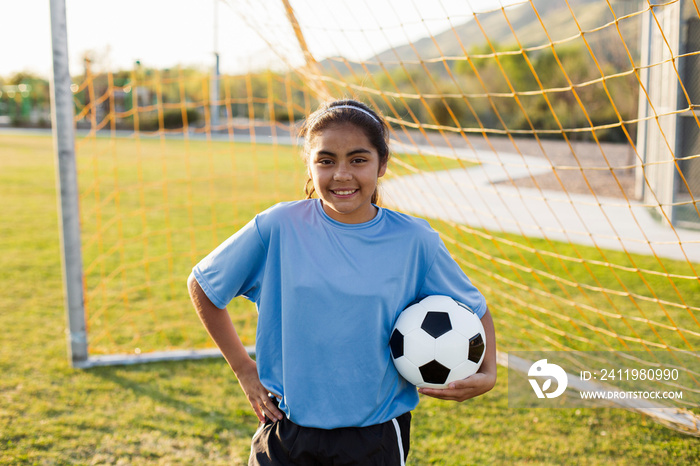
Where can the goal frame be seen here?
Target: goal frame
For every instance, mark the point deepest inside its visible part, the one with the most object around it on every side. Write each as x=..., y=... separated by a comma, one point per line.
x=63, y=127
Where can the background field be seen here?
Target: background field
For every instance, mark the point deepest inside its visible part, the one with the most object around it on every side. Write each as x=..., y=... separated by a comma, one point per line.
x=193, y=412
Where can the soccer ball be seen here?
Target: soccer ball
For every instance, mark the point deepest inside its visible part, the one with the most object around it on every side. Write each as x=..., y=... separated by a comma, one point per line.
x=437, y=341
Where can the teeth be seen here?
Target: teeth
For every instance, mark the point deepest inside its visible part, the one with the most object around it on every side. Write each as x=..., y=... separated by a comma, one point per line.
x=344, y=193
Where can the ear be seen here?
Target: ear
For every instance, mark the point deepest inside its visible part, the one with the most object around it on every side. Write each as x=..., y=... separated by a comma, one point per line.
x=382, y=169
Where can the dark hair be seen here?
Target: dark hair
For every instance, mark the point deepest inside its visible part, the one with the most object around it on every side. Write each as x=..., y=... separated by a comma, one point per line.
x=371, y=123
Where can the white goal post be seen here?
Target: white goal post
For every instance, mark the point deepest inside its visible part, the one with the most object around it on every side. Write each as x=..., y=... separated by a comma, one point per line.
x=62, y=116
x=63, y=125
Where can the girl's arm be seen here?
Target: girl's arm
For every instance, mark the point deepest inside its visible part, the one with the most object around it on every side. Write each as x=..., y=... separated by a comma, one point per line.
x=219, y=326
x=479, y=383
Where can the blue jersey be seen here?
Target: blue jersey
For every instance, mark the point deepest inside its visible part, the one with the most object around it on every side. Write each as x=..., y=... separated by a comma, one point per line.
x=328, y=295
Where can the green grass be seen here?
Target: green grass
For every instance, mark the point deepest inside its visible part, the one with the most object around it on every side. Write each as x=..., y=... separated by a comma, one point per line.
x=193, y=412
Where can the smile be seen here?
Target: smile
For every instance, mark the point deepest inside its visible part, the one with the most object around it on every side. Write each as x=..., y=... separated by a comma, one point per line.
x=345, y=192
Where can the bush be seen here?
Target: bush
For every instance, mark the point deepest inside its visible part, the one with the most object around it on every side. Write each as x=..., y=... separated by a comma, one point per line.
x=172, y=119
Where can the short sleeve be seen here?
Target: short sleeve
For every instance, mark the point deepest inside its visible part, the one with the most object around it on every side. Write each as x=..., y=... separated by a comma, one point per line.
x=445, y=277
x=234, y=268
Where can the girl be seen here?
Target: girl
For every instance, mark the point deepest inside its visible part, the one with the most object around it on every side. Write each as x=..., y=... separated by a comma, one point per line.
x=329, y=276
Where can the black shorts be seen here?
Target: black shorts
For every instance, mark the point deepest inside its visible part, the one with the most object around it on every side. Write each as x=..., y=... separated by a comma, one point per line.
x=286, y=443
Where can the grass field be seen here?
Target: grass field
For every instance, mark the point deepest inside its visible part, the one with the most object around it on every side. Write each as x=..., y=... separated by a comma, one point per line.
x=193, y=412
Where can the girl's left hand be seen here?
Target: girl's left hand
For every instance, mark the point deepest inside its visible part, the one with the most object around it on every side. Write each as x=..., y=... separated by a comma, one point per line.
x=479, y=383
x=461, y=390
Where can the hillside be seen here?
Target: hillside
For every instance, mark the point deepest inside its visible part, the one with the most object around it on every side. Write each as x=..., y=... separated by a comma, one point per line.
x=529, y=27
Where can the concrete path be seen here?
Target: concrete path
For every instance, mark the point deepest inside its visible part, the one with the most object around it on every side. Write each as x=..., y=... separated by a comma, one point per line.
x=473, y=198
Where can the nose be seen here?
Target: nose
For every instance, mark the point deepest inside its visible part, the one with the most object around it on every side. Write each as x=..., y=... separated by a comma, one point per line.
x=342, y=173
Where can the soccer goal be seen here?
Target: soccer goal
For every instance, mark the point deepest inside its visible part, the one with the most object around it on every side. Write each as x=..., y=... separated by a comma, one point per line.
x=552, y=144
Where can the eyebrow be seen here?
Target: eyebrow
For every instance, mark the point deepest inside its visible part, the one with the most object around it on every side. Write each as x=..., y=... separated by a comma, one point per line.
x=352, y=152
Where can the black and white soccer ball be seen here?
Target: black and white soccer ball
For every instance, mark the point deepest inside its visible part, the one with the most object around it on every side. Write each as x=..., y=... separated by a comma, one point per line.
x=437, y=341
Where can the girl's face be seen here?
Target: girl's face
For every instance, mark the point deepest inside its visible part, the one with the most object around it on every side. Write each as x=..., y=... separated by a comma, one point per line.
x=344, y=167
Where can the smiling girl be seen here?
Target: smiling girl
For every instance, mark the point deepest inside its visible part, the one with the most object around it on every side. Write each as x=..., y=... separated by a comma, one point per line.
x=329, y=276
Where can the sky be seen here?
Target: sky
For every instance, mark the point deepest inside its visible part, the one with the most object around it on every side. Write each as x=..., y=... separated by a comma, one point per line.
x=167, y=33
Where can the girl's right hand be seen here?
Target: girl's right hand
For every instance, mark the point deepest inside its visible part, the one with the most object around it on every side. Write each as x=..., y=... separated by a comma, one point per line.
x=219, y=326
x=258, y=396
